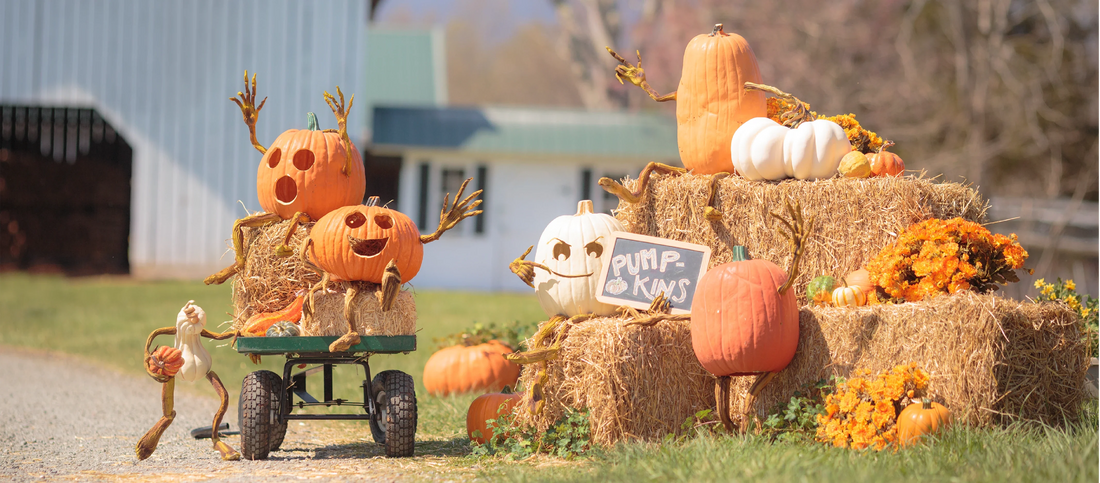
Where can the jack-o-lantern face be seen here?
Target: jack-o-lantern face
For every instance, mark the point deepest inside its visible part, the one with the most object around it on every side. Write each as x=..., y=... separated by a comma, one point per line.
x=303, y=171
x=357, y=242
x=573, y=246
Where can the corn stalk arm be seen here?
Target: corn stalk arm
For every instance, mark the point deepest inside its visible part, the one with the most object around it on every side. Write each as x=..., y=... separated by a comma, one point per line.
x=449, y=217
x=249, y=111
x=636, y=75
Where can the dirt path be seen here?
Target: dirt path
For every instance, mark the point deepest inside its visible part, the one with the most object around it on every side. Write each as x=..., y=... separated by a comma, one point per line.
x=65, y=419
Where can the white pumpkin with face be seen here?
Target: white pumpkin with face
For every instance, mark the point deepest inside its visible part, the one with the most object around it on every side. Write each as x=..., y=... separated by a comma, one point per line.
x=574, y=248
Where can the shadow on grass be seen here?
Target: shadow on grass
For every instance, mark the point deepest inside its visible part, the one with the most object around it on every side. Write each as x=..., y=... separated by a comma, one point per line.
x=455, y=448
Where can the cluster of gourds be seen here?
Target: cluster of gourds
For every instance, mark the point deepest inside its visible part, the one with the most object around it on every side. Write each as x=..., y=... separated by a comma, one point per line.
x=851, y=291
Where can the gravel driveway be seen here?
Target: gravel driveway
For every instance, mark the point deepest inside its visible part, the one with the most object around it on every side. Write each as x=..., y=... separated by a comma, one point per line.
x=66, y=419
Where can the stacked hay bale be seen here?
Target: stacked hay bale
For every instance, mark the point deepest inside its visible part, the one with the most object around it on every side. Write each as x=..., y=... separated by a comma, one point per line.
x=991, y=359
x=269, y=283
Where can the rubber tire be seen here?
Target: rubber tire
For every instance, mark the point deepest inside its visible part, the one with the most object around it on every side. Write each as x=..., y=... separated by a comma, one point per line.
x=260, y=401
x=393, y=424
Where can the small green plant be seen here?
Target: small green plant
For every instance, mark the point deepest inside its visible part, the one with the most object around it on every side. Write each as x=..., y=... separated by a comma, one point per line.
x=796, y=421
x=569, y=437
x=703, y=422
x=1084, y=305
x=513, y=335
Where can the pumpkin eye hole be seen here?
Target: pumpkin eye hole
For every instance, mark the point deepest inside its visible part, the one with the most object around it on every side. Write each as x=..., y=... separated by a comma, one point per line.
x=303, y=159
x=355, y=220
x=275, y=155
x=594, y=249
x=561, y=249
x=383, y=221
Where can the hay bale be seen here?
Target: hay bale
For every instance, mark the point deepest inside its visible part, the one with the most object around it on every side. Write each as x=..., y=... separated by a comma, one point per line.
x=853, y=218
x=269, y=283
x=637, y=382
x=991, y=359
x=328, y=312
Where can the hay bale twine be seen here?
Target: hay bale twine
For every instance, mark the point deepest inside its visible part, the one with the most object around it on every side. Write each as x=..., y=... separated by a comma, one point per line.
x=854, y=218
x=991, y=359
x=637, y=382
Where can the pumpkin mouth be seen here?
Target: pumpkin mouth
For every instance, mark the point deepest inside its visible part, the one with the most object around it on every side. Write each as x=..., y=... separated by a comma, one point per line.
x=367, y=248
x=286, y=190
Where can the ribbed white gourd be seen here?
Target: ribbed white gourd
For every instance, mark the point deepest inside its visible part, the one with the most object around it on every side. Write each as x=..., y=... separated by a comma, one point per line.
x=762, y=149
x=574, y=245
x=189, y=324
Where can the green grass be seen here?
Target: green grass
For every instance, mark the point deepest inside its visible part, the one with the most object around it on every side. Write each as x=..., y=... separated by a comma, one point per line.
x=106, y=321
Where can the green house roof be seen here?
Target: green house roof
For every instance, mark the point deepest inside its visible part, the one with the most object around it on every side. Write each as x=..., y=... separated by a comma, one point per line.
x=404, y=67
x=508, y=130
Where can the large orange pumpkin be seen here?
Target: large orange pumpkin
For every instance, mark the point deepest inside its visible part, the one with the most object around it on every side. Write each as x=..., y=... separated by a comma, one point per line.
x=304, y=171
x=740, y=323
x=488, y=407
x=463, y=369
x=356, y=243
x=920, y=418
x=711, y=100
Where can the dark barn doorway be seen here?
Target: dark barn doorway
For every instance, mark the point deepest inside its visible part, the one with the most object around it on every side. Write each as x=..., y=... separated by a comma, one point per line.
x=64, y=192
x=383, y=174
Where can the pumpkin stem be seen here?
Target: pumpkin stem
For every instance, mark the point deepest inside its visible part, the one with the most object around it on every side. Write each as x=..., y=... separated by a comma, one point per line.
x=613, y=187
x=636, y=76
x=311, y=122
x=799, y=230
x=717, y=30
x=249, y=111
x=371, y=201
x=926, y=403
x=800, y=111
x=739, y=253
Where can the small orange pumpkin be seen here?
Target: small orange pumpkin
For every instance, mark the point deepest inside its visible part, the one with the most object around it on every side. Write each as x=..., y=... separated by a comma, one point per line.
x=356, y=243
x=860, y=278
x=485, y=408
x=920, y=418
x=165, y=361
x=464, y=369
x=885, y=163
x=307, y=170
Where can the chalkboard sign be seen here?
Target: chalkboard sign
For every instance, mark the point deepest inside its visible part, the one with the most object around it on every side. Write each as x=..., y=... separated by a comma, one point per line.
x=641, y=267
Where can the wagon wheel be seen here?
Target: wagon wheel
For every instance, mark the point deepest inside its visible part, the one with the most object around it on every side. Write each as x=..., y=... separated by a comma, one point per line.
x=393, y=423
x=258, y=411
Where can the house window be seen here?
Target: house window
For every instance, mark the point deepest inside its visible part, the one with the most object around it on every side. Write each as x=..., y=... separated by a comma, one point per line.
x=443, y=182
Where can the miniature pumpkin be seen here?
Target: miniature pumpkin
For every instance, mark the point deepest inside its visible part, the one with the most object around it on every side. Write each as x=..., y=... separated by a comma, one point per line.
x=885, y=163
x=463, y=369
x=849, y=296
x=573, y=246
x=920, y=418
x=763, y=149
x=855, y=165
x=820, y=289
x=711, y=100
x=284, y=328
x=165, y=361
x=304, y=170
x=357, y=242
x=740, y=323
x=485, y=408
x=860, y=278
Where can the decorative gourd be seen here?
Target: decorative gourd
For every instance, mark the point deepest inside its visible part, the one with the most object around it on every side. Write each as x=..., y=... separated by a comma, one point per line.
x=166, y=361
x=855, y=165
x=861, y=279
x=258, y=324
x=762, y=149
x=190, y=322
x=572, y=247
x=310, y=171
x=849, y=296
x=711, y=101
x=284, y=328
x=356, y=243
x=820, y=289
x=488, y=407
x=740, y=323
x=885, y=163
x=920, y=418
x=463, y=369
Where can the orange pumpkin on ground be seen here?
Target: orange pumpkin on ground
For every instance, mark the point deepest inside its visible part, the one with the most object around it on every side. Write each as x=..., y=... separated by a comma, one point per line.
x=488, y=407
x=740, y=323
x=310, y=171
x=166, y=361
x=920, y=418
x=356, y=243
x=464, y=369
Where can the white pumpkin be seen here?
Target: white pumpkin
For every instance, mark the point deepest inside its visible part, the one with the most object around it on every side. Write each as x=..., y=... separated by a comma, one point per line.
x=762, y=149
x=574, y=247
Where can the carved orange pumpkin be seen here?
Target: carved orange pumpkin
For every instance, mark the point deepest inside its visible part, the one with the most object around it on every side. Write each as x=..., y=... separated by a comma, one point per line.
x=711, y=100
x=740, y=323
x=356, y=243
x=304, y=171
x=461, y=369
x=165, y=360
x=488, y=407
x=920, y=418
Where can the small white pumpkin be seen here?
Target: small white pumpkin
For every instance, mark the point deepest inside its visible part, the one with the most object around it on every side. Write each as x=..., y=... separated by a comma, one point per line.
x=574, y=247
x=849, y=296
x=762, y=149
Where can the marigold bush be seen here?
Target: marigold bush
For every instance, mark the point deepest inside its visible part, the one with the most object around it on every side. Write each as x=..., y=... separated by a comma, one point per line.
x=937, y=256
x=863, y=412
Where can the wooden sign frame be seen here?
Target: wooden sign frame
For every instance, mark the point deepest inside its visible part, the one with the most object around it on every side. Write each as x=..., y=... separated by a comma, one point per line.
x=678, y=284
